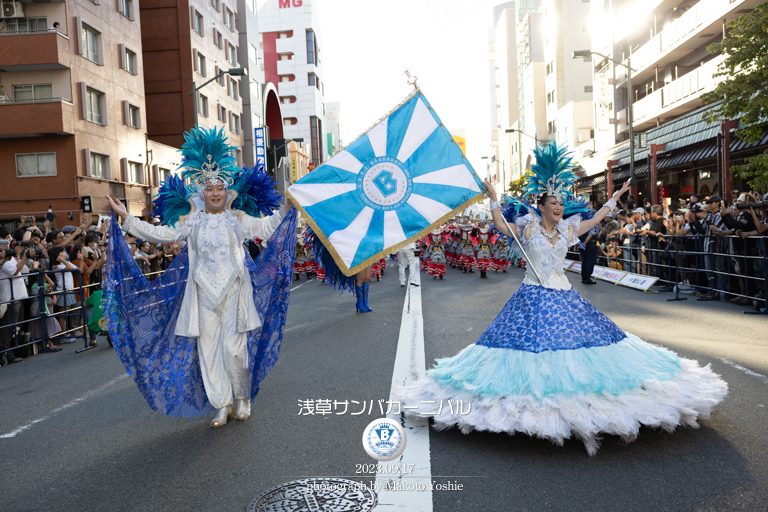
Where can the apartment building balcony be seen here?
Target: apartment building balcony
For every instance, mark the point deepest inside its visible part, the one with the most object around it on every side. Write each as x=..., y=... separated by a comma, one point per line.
x=674, y=99
x=286, y=67
x=33, y=51
x=50, y=116
x=288, y=88
x=285, y=45
x=696, y=26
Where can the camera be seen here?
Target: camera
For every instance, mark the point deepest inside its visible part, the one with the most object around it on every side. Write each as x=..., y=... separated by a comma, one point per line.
x=762, y=205
x=29, y=218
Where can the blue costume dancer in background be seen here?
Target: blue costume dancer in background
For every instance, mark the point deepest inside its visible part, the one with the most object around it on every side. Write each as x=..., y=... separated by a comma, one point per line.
x=551, y=365
x=209, y=329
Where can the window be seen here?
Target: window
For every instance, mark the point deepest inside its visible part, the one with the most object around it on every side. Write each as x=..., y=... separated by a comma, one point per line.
x=130, y=61
x=35, y=164
x=252, y=5
x=15, y=25
x=126, y=8
x=32, y=92
x=311, y=48
x=217, y=39
x=231, y=54
x=94, y=106
x=219, y=80
x=315, y=127
x=132, y=115
x=90, y=40
x=587, y=88
x=199, y=62
x=222, y=114
x=253, y=54
x=312, y=79
x=163, y=175
x=234, y=123
x=229, y=19
x=216, y=5
x=135, y=172
x=203, y=107
x=98, y=165
x=232, y=89
x=197, y=23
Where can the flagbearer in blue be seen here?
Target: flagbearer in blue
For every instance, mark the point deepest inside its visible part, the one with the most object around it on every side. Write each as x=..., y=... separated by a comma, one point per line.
x=208, y=330
x=551, y=365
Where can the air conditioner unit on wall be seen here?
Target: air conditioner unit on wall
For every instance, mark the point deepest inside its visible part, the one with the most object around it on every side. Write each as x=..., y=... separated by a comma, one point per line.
x=12, y=10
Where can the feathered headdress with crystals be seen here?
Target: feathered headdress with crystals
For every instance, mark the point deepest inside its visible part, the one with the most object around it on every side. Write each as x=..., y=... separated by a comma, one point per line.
x=253, y=189
x=206, y=157
x=551, y=174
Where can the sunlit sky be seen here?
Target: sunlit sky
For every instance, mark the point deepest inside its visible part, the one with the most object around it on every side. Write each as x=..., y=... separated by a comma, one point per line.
x=366, y=45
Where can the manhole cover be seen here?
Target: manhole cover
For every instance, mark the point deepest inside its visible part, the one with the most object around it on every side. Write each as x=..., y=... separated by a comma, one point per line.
x=315, y=495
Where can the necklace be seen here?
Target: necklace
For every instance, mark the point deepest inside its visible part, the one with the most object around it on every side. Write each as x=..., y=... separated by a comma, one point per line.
x=547, y=234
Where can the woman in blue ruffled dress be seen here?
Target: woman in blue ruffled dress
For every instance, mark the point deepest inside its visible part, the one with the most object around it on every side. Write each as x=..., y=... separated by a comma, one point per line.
x=551, y=365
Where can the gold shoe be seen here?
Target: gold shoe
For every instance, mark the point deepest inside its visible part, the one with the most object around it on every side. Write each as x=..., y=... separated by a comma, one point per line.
x=222, y=415
x=243, y=409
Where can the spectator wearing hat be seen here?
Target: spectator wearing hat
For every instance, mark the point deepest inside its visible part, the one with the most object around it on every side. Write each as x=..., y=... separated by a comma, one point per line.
x=742, y=247
x=715, y=247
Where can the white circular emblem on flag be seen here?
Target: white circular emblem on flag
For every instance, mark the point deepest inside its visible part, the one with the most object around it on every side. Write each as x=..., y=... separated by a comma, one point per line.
x=384, y=183
x=384, y=439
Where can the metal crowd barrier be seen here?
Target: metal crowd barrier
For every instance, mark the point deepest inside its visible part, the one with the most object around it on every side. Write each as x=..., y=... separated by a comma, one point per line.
x=19, y=329
x=710, y=272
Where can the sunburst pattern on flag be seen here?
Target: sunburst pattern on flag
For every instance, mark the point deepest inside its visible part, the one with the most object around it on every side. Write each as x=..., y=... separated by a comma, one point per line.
x=389, y=187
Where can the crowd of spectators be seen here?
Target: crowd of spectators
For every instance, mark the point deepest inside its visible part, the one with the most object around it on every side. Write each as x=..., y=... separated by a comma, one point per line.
x=710, y=247
x=67, y=265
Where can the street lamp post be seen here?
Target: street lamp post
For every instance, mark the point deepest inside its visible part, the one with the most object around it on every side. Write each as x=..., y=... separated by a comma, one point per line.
x=230, y=71
x=585, y=54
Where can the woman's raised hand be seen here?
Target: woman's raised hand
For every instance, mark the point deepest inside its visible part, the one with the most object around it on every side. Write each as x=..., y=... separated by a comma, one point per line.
x=490, y=190
x=118, y=207
x=621, y=192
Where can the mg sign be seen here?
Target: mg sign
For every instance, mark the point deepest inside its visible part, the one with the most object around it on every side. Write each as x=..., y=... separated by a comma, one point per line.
x=285, y=4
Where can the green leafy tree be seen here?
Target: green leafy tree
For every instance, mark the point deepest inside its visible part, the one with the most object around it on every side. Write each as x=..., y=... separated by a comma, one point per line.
x=745, y=88
x=516, y=186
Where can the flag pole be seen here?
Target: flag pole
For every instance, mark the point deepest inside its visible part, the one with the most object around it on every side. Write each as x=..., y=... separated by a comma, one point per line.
x=527, y=260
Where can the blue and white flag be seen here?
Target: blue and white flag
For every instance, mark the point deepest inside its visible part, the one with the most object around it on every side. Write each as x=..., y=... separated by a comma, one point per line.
x=393, y=185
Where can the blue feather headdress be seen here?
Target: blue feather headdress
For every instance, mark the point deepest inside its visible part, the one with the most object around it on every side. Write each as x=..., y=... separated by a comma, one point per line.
x=206, y=157
x=551, y=175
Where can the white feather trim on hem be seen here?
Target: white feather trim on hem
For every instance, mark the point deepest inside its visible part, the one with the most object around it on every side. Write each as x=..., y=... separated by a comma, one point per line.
x=693, y=392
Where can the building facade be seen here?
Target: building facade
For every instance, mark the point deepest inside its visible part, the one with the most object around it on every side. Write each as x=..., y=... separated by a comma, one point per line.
x=290, y=31
x=73, y=107
x=676, y=152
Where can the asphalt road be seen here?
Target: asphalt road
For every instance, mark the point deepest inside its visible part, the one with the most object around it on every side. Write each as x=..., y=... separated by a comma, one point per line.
x=76, y=435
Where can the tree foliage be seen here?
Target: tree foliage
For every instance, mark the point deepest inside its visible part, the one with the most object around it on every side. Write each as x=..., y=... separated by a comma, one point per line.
x=745, y=89
x=516, y=186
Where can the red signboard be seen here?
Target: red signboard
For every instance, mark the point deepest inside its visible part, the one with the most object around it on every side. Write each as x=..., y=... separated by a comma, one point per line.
x=311, y=166
x=663, y=192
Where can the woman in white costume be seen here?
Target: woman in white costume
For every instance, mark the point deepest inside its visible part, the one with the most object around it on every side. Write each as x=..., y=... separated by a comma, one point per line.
x=551, y=365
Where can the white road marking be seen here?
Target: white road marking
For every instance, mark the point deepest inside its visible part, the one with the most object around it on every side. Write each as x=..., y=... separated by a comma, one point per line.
x=65, y=406
x=299, y=286
x=409, y=367
x=746, y=370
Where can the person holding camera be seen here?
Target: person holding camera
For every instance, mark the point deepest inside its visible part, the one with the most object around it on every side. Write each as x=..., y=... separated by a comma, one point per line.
x=64, y=285
x=743, y=247
x=13, y=291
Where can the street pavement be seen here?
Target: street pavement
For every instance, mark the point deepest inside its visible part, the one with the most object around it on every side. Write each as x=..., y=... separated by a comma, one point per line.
x=76, y=435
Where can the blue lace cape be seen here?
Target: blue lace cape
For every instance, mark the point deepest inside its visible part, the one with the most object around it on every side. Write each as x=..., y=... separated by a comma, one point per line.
x=141, y=317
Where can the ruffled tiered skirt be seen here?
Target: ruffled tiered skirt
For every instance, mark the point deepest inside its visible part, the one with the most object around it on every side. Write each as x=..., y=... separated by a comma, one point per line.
x=551, y=365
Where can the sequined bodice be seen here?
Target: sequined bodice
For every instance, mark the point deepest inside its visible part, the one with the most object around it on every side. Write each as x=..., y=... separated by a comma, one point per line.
x=547, y=258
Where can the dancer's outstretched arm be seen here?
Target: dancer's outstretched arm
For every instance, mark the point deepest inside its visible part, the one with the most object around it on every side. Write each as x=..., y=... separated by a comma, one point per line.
x=141, y=229
x=600, y=214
